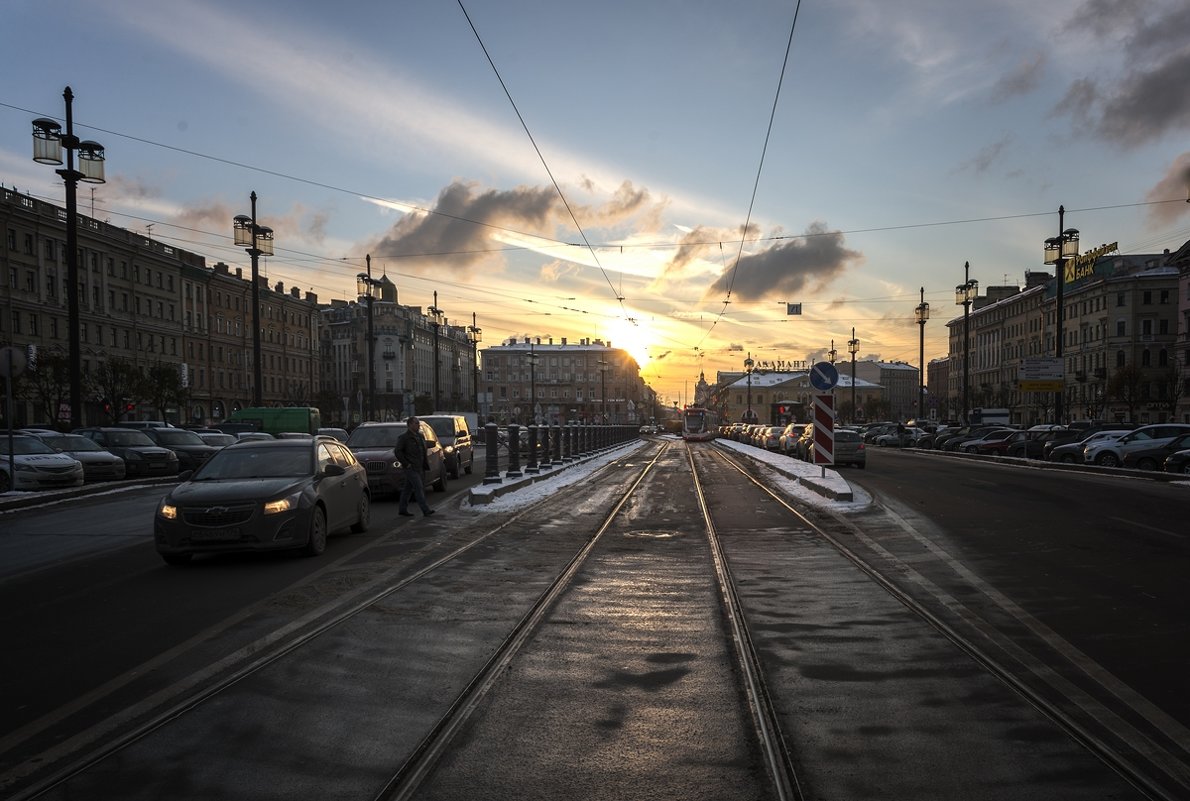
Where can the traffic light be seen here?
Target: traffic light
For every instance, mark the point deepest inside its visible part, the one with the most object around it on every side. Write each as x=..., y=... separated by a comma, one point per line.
x=129, y=406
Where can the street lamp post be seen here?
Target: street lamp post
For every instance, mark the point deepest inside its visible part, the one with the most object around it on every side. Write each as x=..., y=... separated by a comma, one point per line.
x=532, y=384
x=367, y=287
x=748, y=364
x=48, y=144
x=832, y=354
x=258, y=241
x=922, y=313
x=603, y=387
x=964, y=295
x=475, y=334
x=436, y=313
x=853, y=348
x=1057, y=250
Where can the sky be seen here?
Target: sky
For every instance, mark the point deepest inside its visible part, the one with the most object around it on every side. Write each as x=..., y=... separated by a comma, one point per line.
x=666, y=175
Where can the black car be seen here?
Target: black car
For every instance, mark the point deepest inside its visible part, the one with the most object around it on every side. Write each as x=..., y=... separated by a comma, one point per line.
x=1178, y=462
x=264, y=495
x=142, y=456
x=373, y=443
x=192, y=452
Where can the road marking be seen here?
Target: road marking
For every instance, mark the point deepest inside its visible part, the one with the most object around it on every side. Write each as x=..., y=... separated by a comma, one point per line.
x=1153, y=529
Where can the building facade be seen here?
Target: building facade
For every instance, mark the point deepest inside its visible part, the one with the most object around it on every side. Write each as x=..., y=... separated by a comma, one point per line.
x=589, y=381
x=181, y=329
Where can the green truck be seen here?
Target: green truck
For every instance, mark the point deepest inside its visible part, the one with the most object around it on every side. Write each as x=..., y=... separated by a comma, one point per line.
x=280, y=419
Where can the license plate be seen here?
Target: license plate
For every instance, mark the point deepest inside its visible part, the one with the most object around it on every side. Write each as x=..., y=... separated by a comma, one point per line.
x=215, y=534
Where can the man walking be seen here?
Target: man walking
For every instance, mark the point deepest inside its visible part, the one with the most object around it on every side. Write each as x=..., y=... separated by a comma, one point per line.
x=411, y=454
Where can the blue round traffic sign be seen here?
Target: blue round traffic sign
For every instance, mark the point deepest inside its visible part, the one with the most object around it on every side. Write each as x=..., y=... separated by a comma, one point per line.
x=824, y=376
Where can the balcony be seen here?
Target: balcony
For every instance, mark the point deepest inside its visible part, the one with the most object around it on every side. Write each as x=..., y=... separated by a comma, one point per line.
x=389, y=354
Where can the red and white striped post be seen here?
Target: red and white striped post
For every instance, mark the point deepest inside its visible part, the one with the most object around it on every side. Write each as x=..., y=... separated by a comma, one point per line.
x=824, y=430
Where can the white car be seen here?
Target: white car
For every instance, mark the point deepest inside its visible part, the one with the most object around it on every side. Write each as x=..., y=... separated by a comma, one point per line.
x=35, y=465
x=1110, y=452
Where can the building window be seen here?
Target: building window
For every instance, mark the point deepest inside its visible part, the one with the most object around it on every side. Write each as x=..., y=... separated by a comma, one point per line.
x=1119, y=299
x=1120, y=328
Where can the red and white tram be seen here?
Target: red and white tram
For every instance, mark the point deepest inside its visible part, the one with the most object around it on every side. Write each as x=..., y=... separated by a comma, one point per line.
x=699, y=425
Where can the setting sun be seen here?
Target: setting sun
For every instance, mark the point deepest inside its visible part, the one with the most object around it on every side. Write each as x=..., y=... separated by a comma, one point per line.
x=631, y=335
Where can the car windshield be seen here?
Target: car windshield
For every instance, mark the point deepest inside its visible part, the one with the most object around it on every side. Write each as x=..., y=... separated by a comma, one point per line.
x=218, y=439
x=375, y=436
x=72, y=442
x=127, y=439
x=168, y=436
x=443, y=426
x=24, y=445
x=846, y=436
x=239, y=463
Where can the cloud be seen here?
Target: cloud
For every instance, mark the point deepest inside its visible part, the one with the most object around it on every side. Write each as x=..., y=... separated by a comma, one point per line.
x=1174, y=184
x=1022, y=80
x=787, y=269
x=1149, y=100
x=983, y=160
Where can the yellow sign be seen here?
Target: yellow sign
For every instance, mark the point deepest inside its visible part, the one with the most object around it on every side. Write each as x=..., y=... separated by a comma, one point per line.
x=1084, y=265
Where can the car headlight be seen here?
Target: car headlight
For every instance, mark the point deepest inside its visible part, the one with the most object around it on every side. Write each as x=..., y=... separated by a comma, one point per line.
x=167, y=510
x=282, y=504
x=28, y=468
x=449, y=449
x=133, y=456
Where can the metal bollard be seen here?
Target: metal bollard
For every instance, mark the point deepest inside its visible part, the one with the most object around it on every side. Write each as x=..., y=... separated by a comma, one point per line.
x=557, y=442
x=491, y=439
x=531, y=463
x=572, y=437
x=514, y=452
x=544, y=431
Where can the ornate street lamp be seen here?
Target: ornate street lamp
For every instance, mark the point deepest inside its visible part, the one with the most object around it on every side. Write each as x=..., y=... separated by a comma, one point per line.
x=1058, y=250
x=368, y=288
x=532, y=384
x=475, y=334
x=921, y=314
x=603, y=387
x=853, y=348
x=48, y=144
x=258, y=241
x=964, y=295
x=748, y=365
x=436, y=313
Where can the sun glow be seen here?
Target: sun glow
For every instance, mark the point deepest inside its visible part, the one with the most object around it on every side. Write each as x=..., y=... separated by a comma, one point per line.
x=632, y=335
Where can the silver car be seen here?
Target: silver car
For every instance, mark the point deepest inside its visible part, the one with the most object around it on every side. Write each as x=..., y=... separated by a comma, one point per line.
x=1110, y=453
x=99, y=464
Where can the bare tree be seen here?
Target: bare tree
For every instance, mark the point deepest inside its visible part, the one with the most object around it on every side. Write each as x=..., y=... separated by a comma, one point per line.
x=1125, y=386
x=1171, y=386
x=119, y=384
x=46, y=384
x=163, y=389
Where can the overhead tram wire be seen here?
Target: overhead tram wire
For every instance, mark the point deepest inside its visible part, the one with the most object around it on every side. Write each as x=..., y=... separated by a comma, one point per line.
x=618, y=295
x=759, y=169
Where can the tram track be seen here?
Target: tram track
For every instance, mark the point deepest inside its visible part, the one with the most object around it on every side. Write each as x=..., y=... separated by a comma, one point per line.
x=283, y=651
x=1140, y=747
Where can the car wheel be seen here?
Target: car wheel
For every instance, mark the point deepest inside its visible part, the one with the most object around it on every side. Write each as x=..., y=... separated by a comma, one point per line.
x=453, y=470
x=1107, y=460
x=364, y=518
x=316, y=542
x=1067, y=458
x=470, y=465
x=440, y=484
x=1146, y=464
x=1186, y=468
x=176, y=558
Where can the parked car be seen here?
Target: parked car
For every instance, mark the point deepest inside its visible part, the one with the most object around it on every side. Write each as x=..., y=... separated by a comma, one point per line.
x=263, y=496
x=769, y=437
x=903, y=437
x=991, y=443
x=1153, y=457
x=787, y=442
x=35, y=465
x=142, y=456
x=98, y=464
x=253, y=436
x=189, y=447
x=973, y=433
x=1072, y=452
x=373, y=443
x=801, y=448
x=849, y=449
x=1178, y=462
x=217, y=439
x=457, y=441
x=1079, y=432
x=338, y=433
x=142, y=424
x=1111, y=453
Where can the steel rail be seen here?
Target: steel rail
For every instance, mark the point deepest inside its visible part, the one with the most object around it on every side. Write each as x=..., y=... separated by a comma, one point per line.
x=1094, y=743
x=259, y=656
x=764, y=714
x=405, y=783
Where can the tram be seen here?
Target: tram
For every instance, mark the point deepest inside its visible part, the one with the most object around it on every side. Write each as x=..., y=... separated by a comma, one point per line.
x=699, y=425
